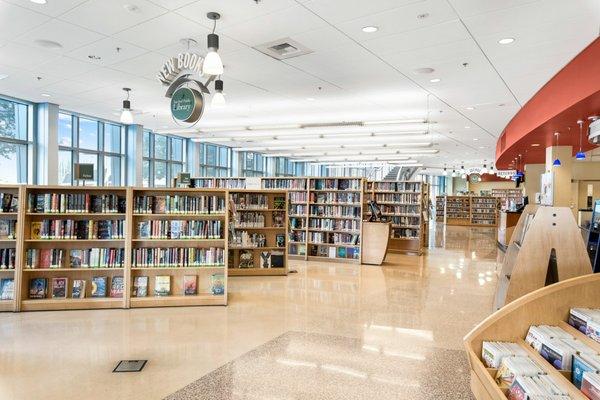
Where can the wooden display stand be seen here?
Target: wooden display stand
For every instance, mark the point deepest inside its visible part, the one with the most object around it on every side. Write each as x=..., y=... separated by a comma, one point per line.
x=375, y=241
x=16, y=243
x=549, y=305
x=268, y=230
x=546, y=247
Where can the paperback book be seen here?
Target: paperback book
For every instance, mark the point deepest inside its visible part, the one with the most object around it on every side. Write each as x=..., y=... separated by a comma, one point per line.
x=38, y=288
x=162, y=285
x=217, y=284
x=117, y=287
x=7, y=289
x=140, y=286
x=190, y=285
x=59, y=288
x=99, y=284
x=78, y=289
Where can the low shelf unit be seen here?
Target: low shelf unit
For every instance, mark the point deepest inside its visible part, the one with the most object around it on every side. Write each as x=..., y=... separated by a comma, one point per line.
x=74, y=253
x=506, y=196
x=458, y=210
x=178, y=247
x=335, y=219
x=440, y=208
x=11, y=210
x=258, y=232
x=484, y=211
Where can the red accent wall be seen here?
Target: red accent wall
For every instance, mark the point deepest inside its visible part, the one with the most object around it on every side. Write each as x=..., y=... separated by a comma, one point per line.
x=572, y=94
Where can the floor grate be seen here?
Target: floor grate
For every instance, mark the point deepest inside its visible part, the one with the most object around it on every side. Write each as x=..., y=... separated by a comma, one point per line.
x=130, y=366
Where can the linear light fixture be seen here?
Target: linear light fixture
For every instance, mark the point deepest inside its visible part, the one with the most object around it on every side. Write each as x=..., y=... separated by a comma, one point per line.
x=333, y=146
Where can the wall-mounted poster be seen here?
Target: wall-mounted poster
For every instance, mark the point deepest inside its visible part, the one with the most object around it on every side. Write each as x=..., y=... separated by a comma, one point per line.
x=547, y=189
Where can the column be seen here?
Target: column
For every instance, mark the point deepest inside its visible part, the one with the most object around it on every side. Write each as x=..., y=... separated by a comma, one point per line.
x=135, y=155
x=533, y=176
x=46, y=131
x=561, y=175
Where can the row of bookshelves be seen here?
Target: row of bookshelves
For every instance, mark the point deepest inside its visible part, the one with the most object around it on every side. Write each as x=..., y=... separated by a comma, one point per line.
x=468, y=210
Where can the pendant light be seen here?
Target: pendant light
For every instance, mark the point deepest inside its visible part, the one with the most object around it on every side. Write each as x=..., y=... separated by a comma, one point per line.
x=212, y=64
x=491, y=171
x=580, y=154
x=445, y=173
x=126, y=115
x=484, y=170
x=218, y=99
x=462, y=169
x=464, y=176
x=453, y=172
x=556, y=162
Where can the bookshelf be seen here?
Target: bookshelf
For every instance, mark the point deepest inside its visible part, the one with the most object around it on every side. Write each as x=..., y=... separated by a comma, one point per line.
x=507, y=195
x=458, y=210
x=484, y=211
x=404, y=204
x=440, y=208
x=259, y=232
x=219, y=183
x=11, y=208
x=335, y=219
x=297, y=211
x=549, y=305
x=77, y=233
x=181, y=234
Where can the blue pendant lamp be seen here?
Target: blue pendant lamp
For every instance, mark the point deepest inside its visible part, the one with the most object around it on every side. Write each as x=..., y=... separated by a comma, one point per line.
x=580, y=154
x=556, y=162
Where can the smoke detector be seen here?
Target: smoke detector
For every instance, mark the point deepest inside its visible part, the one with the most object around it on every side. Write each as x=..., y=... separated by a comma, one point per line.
x=282, y=49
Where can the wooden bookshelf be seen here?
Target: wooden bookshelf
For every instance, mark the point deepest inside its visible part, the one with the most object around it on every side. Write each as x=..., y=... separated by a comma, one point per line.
x=297, y=211
x=549, y=305
x=12, y=242
x=505, y=196
x=258, y=224
x=458, y=210
x=198, y=244
x=405, y=205
x=33, y=218
x=218, y=183
x=335, y=204
x=440, y=208
x=484, y=211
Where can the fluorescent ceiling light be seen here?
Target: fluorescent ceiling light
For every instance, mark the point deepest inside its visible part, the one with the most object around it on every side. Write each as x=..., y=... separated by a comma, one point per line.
x=395, y=122
x=323, y=145
x=3, y=76
x=267, y=127
x=38, y=1
x=535, y=144
x=506, y=40
x=435, y=80
x=475, y=139
x=321, y=139
x=310, y=98
x=370, y=29
x=45, y=95
x=470, y=108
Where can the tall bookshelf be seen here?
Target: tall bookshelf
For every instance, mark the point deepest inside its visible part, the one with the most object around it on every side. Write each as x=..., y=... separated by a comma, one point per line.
x=507, y=195
x=11, y=208
x=258, y=238
x=484, y=211
x=297, y=211
x=458, y=210
x=61, y=228
x=440, y=208
x=179, y=233
x=334, y=219
x=404, y=204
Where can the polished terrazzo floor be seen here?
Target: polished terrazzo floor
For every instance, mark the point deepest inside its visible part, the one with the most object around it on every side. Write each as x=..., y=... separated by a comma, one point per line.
x=330, y=331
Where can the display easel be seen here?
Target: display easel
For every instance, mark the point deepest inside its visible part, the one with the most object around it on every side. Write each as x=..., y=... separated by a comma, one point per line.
x=549, y=305
x=545, y=248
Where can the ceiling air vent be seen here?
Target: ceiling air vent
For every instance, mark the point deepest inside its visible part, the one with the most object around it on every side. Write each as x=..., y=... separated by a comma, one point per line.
x=283, y=49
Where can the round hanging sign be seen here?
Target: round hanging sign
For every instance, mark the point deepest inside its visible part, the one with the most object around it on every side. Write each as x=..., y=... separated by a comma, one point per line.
x=474, y=178
x=187, y=104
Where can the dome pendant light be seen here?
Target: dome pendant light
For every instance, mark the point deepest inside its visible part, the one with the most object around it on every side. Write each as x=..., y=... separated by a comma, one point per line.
x=491, y=171
x=218, y=99
x=212, y=64
x=126, y=115
x=454, y=172
x=484, y=170
x=462, y=169
x=556, y=162
x=445, y=173
x=580, y=154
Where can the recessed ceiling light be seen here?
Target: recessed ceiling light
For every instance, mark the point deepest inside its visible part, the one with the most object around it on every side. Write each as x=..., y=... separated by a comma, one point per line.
x=310, y=98
x=435, y=80
x=467, y=127
x=3, y=76
x=370, y=29
x=131, y=7
x=45, y=95
x=48, y=44
x=535, y=144
x=475, y=139
x=469, y=108
x=38, y=1
x=424, y=70
x=506, y=40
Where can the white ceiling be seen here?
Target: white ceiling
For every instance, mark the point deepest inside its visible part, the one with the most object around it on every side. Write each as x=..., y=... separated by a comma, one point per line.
x=349, y=76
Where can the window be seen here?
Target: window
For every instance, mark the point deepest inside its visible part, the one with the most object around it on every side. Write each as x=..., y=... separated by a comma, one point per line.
x=214, y=160
x=164, y=158
x=83, y=140
x=252, y=163
x=16, y=141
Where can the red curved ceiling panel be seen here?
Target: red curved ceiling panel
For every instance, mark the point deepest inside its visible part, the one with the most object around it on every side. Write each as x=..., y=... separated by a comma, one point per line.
x=572, y=94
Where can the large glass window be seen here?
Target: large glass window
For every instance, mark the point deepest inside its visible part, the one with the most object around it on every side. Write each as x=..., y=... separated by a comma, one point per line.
x=84, y=140
x=163, y=159
x=16, y=141
x=252, y=163
x=214, y=160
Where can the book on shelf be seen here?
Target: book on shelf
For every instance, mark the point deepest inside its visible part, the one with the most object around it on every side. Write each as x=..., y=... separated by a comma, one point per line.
x=59, y=288
x=179, y=204
x=117, y=286
x=277, y=259
x=38, y=288
x=265, y=259
x=278, y=219
x=217, y=284
x=180, y=229
x=280, y=240
x=99, y=286
x=279, y=202
x=9, y=202
x=7, y=258
x=78, y=289
x=7, y=289
x=140, y=286
x=154, y=257
x=250, y=201
x=162, y=285
x=75, y=203
x=590, y=385
x=583, y=363
x=246, y=259
x=78, y=229
x=190, y=285
x=8, y=229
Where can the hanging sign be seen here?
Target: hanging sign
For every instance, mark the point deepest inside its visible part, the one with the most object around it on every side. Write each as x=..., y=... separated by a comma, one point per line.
x=187, y=104
x=506, y=173
x=473, y=170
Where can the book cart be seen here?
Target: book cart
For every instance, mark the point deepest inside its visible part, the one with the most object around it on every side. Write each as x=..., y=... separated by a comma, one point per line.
x=405, y=205
x=60, y=221
x=549, y=306
x=179, y=236
x=258, y=232
x=11, y=245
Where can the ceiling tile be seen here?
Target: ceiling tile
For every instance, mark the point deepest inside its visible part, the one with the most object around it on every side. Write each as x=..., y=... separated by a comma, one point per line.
x=146, y=65
x=68, y=35
x=469, y=8
x=111, y=16
x=106, y=49
x=17, y=55
x=15, y=20
x=343, y=10
x=51, y=8
x=171, y=4
x=62, y=65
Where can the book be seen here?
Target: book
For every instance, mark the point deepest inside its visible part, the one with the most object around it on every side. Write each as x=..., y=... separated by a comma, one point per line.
x=583, y=363
x=59, y=288
x=279, y=202
x=190, y=285
x=217, y=284
x=162, y=285
x=341, y=252
x=246, y=259
x=117, y=286
x=7, y=202
x=278, y=219
x=280, y=240
x=78, y=289
x=76, y=258
x=277, y=259
x=7, y=289
x=99, y=284
x=265, y=259
x=36, y=230
x=140, y=286
x=7, y=229
x=38, y=288
x=590, y=385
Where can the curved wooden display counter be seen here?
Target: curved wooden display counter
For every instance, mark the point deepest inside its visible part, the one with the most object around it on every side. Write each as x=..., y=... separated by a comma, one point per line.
x=549, y=305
